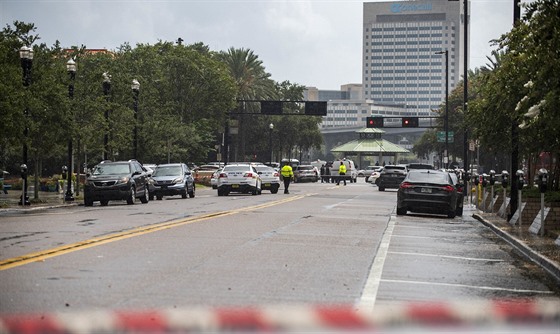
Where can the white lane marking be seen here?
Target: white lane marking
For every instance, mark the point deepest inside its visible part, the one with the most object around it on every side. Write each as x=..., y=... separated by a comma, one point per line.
x=466, y=286
x=369, y=294
x=448, y=257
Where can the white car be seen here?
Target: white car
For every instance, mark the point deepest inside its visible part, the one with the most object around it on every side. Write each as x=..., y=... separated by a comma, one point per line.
x=373, y=174
x=240, y=178
x=270, y=178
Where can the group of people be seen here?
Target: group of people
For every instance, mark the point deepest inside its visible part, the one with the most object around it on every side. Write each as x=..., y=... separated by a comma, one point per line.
x=288, y=175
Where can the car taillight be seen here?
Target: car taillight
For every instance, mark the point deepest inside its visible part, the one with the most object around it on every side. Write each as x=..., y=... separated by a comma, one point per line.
x=459, y=189
x=406, y=185
x=249, y=174
x=449, y=189
x=276, y=174
x=222, y=175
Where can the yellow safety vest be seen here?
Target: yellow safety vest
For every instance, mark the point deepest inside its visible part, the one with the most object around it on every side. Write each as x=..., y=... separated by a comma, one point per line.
x=342, y=169
x=287, y=171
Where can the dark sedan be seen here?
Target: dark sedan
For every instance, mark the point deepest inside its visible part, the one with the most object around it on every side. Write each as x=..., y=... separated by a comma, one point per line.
x=428, y=191
x=391, y=177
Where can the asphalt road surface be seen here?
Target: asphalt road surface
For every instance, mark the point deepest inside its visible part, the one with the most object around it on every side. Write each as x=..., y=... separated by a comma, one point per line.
x=322, y=245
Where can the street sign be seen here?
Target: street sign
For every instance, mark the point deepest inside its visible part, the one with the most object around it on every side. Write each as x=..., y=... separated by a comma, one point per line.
x=441, y=136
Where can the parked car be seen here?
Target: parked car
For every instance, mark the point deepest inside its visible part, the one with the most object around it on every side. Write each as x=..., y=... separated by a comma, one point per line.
x=270, y=178
x=305, y=173
x=367, y=171
x=172, y=179
x=214, y=179
x=240, y=178
x=119, y=180
x=351, y=171
x=391, y=177
x=429, y=191
x=149, y=168
x=374, y=174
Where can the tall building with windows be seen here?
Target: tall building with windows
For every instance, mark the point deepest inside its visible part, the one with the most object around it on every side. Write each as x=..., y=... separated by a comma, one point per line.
x=400, y=44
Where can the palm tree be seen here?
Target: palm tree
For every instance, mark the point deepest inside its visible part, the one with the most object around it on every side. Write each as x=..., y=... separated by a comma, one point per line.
x=253, y=83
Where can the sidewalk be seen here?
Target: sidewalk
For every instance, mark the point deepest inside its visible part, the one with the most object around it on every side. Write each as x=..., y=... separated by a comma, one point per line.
x=47, y=200
x=543, y=250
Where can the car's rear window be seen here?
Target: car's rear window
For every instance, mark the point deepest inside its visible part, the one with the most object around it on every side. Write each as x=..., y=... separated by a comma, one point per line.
x=392, y=168
x=264, y=169
x=424, y=176
x=236, y=168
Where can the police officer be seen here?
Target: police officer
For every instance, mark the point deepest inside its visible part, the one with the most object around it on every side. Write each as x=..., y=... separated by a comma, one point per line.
x=341, y=173
x=287, y=175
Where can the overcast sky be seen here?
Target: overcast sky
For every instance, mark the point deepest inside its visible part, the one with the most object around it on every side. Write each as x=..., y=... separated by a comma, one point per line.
x=310, y=42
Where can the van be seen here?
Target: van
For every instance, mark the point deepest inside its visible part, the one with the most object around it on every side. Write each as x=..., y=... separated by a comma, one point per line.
x=351, y=171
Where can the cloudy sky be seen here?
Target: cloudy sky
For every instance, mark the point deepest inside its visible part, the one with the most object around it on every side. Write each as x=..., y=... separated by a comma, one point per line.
x=309, y=42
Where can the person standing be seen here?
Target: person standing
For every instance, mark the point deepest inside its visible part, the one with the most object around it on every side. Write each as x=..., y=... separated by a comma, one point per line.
x=287, y=175
x=341, y=173
x=322, y=173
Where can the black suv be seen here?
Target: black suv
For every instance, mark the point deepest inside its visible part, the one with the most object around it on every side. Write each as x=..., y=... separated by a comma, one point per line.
x=118, y=180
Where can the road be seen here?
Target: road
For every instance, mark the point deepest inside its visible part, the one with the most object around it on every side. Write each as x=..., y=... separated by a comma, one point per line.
x=322, y=244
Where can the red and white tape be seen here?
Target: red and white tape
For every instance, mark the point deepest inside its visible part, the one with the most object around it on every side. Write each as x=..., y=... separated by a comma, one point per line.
x=543, y=314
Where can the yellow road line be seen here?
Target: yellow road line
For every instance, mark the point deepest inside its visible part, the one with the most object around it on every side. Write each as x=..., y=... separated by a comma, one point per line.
x=45, y=254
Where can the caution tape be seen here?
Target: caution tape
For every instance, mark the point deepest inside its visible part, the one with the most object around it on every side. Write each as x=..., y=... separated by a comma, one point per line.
x=542, y=315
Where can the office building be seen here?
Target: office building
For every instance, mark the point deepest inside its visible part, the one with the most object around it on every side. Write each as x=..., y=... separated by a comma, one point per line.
x=400, y=41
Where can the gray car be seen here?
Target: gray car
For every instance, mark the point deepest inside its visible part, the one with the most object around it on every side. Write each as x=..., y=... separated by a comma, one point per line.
x=172, y=179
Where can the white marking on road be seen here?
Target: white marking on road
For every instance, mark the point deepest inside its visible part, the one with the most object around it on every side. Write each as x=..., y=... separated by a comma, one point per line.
x=369, y=294
x=449, y=257
x=466, y=286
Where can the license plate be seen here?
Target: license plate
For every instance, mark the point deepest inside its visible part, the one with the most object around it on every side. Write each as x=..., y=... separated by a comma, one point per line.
x=235, y=186
x=426, y=190
x=267, y=184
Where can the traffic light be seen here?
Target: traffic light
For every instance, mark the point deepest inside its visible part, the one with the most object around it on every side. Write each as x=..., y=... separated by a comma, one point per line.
x=316, y=108
x=410, y=122
x=374, y=122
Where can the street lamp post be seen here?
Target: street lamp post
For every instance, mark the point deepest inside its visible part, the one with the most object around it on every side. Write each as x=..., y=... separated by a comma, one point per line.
x=106, y=92
x=135, y=91
x=446, y=118
x=26, y=56
x=270, y=127
x=71, y=68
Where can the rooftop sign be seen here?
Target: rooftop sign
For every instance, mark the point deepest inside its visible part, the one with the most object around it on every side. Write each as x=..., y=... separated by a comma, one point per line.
x=410, y=7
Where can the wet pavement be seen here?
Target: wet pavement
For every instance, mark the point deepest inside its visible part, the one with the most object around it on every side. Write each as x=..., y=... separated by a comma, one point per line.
x=543, y=250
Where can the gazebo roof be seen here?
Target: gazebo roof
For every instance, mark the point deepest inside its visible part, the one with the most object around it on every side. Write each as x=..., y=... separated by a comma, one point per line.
x=371, y=146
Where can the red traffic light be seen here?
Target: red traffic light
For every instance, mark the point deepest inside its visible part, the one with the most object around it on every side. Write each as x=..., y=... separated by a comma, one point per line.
x=374, y=122
x=410, y=122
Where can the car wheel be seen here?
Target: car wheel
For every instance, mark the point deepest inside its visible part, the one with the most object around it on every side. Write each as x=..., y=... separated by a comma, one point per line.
x=401, y=211
x=104, y=202
x=151, y=196
x=88, y=202
x=191, y=193
x=255, y=191
x=159, y=197
x=459, y=211
x=132, y=197
x=144, y=199
x=381, y=188
x=220, y=192
x=184, y=193
x=274, y=190
x=451, y=214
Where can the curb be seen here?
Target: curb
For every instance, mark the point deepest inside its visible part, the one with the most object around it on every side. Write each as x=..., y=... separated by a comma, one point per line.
x=36, y=208
x=532, y=255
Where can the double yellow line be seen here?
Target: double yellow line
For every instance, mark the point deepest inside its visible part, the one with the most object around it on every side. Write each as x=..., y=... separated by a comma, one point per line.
x=45, y=254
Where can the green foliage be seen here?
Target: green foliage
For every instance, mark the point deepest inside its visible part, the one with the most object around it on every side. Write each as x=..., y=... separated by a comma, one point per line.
x=185, y=97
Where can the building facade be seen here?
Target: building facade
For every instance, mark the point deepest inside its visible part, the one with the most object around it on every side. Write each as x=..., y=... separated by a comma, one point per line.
x=400, y=44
